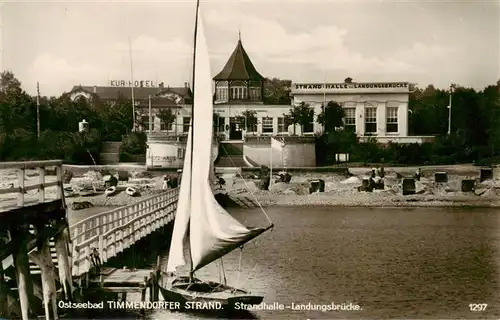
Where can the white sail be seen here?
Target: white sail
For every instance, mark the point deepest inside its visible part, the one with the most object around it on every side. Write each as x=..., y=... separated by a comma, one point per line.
x=213, y=232
x=179, y=243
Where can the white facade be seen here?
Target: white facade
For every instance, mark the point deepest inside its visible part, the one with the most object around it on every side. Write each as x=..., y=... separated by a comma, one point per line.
x=373, y=109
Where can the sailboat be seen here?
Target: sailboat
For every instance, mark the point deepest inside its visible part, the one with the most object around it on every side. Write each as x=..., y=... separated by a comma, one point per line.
x=204, y=231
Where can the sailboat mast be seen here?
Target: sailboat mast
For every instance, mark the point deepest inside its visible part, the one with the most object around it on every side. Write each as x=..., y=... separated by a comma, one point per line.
x=192, y=113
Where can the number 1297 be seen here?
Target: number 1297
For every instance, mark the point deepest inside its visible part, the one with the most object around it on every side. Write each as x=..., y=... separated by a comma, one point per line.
x=477, y=307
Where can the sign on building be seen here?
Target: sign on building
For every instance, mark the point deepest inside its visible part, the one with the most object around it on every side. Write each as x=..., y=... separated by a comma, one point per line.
x=136, y=83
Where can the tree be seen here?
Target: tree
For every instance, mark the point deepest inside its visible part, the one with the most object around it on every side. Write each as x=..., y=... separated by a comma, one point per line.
x=249, y=118
x=117, y=119
x=215, y=122
x=277, y=91
x=332, y=116
x=304, y=114
x=291, y=118
x=9, y=84
x=166, y=116
x=17, y=108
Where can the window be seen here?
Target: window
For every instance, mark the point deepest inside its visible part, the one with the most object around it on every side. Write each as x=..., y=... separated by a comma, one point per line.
x=350, y=118
x=392, y=119
x=222, y=94
x=180, y=153
x=309, y=127
x=186, y=121
x=370, y=120
x=252, y=127
x=281, y=125
x=267, y=125
x=254, y=93
x=221, y=124
x=164, y=126
x=145, y=122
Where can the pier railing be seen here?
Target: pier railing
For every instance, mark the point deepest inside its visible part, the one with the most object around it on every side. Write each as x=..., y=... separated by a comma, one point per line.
x=111, y=232
x=21, y=189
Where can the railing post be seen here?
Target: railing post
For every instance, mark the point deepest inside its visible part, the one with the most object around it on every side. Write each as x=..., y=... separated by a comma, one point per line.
x=101, y=248
x=20, y=181
x=41, y=181
x=60, y=192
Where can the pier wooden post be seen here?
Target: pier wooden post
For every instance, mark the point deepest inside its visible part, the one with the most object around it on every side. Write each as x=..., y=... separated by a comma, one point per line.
x=43, y=259
x=20, y=181
x=64, y=266
x=23, y=277
x=3, y=295
x=143, y=292
x=155, y=279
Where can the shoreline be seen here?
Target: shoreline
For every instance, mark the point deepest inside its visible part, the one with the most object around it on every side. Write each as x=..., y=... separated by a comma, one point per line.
x=340, y=190
x=329, y=200
x=314, y=200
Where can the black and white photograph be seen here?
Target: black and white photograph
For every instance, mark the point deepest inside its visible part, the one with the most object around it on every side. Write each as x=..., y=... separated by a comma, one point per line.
x=249, y=159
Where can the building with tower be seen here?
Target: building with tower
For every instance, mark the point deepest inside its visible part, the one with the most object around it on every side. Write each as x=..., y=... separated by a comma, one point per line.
x=373, y=110
x=239, y=89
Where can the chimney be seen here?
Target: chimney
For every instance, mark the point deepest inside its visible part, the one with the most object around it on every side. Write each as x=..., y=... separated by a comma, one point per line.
x=95, y=89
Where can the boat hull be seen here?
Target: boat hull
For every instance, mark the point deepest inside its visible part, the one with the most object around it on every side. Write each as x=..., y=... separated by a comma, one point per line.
x=223, y=296
x=131, y=191
x=110, y=191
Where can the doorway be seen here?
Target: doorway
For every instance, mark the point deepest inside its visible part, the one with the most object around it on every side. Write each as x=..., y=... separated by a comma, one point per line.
x=235, y=129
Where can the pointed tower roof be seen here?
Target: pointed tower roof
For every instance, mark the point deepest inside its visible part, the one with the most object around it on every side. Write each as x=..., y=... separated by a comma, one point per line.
x=239, y=67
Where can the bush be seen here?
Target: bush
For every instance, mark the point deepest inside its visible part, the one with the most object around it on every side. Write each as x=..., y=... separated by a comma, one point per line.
x=126, y=157
x=75, y=148
x=446, y=149
x=134, y=143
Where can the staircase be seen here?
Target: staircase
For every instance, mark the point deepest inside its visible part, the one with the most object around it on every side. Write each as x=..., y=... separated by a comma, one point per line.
x=231, y=155
x=110, y=152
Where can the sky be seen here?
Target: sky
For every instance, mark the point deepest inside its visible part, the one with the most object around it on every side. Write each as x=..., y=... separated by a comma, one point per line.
x=65, y=43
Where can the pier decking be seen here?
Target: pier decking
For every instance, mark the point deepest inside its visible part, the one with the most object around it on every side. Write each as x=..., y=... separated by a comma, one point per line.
x=34, y=228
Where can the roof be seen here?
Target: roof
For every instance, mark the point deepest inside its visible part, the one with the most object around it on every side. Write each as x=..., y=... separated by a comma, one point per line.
x=140, y=93
x=239, y=67
x=159, y=102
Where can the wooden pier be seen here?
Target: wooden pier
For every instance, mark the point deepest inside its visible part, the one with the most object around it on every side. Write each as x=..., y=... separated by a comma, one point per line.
x=34, y=229
x=26, y=228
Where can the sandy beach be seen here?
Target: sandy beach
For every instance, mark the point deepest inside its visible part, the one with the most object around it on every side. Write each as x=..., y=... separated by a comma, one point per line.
x=340, y=190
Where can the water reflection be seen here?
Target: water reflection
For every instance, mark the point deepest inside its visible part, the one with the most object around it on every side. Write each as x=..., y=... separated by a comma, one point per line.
x=393, y=262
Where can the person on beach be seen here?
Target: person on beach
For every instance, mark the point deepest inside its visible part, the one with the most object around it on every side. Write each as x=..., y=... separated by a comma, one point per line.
x=166, y=182
x=417, y=174
x=380, y=172
x=220, y=182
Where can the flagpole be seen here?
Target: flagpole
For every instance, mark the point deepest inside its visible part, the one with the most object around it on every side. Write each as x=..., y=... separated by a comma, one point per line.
x=38, y=109
x=324, y=104
x=132, y=85
x=282, y=157
x=271, y=160
x=150, y=116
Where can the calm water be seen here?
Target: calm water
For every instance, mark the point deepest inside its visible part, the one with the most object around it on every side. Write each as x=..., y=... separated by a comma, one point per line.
x=404, y=263
x=393, y=263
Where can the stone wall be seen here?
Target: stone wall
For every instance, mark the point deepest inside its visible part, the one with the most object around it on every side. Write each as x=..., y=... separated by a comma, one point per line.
x=297, y=152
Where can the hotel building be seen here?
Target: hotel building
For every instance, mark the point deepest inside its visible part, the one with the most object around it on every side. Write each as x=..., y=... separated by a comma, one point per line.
x=375, y=109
